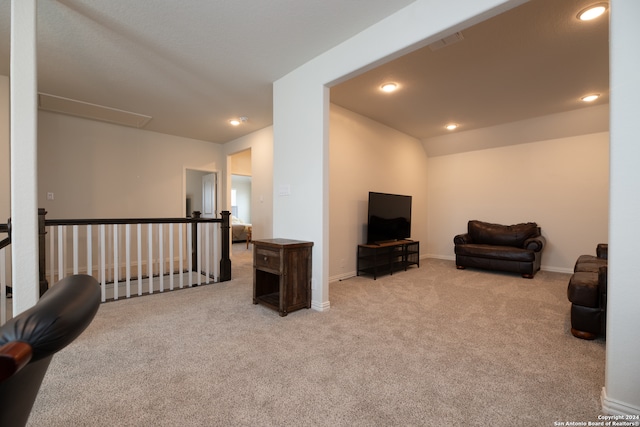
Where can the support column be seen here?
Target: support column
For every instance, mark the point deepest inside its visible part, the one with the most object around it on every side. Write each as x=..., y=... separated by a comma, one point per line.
x=24, y=161
x=621, y=394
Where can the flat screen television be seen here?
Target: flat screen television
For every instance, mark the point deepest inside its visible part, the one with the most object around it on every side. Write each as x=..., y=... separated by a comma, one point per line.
x=389, y=217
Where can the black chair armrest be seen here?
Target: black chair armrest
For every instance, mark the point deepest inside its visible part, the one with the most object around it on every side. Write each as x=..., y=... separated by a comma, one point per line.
x=535, y=244
x=462, y=239
x=14, y=356
x=61, y=314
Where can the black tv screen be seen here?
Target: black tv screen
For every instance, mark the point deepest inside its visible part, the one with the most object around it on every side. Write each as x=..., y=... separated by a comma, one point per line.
x=389, y=217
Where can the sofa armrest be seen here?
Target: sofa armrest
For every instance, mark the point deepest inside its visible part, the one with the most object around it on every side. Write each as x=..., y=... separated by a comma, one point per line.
x=535, y=244
x=462, y=239
x=602, y=250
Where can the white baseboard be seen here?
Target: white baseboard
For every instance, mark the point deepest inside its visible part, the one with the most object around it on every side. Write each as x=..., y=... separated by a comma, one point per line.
x=320, y=306
x=342, y=276
x=556, y=269
x=436, y=256
x=616, y=407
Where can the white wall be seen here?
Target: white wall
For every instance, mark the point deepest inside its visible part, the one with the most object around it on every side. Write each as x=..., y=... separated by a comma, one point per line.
x=5, y=156
x=562, y=184
x=100, y=170
x=261, y=145
x=368, y=156
x=582, y=121
x=240, y=163
x=5, y=171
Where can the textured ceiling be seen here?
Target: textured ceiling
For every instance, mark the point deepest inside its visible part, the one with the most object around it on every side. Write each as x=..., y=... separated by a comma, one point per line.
x=194, y=64
x=530, y=61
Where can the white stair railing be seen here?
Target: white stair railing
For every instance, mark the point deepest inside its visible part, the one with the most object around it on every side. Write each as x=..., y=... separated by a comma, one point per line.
x=136, y=260
x=125, y=256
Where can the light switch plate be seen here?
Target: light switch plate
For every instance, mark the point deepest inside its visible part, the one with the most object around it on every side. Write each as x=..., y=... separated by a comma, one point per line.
x=284, y=190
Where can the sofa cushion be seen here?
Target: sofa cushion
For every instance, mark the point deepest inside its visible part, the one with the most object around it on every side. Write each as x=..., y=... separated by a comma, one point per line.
x=485, y=233
x=583, y=289
x=506, y=253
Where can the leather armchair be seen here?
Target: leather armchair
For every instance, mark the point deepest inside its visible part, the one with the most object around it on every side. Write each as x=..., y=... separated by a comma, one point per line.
x=29, y=341
x=514, y=248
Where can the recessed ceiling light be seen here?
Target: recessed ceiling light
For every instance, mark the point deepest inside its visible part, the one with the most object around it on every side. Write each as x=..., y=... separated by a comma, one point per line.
x=592, y=12
x=238, y=121
x=389, y=87
x=590, y=98
x=451, y=126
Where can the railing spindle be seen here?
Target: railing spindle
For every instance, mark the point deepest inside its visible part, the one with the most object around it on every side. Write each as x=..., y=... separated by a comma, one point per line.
x=161, y=255
x=150, y=255
x=139, y=237
x=61, y=238
x=89, y=251
x=171, y=257
x=216, y=251
x=199, y=260
x=103, y=275
x=206, y=252
x=127, y=250
x=75, y=249
x=180, y=250
x=116, y=263
x=52, y=254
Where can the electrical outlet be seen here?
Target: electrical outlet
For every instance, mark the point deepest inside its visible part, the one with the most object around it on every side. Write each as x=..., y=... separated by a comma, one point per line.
x=49, y=196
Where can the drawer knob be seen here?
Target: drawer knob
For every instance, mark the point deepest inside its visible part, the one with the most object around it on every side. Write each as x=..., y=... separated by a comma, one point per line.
x=265, y=258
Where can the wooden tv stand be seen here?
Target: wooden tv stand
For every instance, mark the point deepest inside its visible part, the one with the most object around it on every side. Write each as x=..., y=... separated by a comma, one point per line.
x=387, y=257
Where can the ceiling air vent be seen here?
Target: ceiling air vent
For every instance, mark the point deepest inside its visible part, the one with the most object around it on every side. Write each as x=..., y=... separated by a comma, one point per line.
x=73, y=107
x=449, y=40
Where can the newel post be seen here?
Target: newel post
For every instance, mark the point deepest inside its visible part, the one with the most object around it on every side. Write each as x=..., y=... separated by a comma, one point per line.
x=225, y=261
x=42, y=231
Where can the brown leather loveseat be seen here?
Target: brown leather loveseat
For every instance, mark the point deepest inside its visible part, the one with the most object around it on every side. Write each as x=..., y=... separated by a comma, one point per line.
x=514, y=248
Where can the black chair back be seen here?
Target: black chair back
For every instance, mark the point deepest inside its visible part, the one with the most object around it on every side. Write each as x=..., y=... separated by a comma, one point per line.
x=29, y=341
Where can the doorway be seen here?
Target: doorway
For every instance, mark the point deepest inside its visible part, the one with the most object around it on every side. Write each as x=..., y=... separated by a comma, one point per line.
x=240, y=200
x=201, y=193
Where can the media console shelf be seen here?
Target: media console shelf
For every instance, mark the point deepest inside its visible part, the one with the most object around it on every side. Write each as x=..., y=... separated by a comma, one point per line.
x=282, y=274
x=385, y=258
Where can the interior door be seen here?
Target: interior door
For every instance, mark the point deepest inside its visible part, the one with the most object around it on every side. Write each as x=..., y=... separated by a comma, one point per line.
x=209, y=196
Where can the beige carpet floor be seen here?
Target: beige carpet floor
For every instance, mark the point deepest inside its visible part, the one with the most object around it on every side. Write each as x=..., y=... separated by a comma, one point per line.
x=432, y=346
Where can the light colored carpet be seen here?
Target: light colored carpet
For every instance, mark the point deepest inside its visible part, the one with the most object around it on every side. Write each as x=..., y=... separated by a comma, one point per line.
x=432, y=346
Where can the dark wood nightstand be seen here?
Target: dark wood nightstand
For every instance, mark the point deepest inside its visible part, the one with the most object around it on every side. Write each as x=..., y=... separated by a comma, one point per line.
x=282, y=274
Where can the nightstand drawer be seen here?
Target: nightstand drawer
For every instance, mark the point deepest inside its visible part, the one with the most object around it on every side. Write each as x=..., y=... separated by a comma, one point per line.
x=268, y=259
